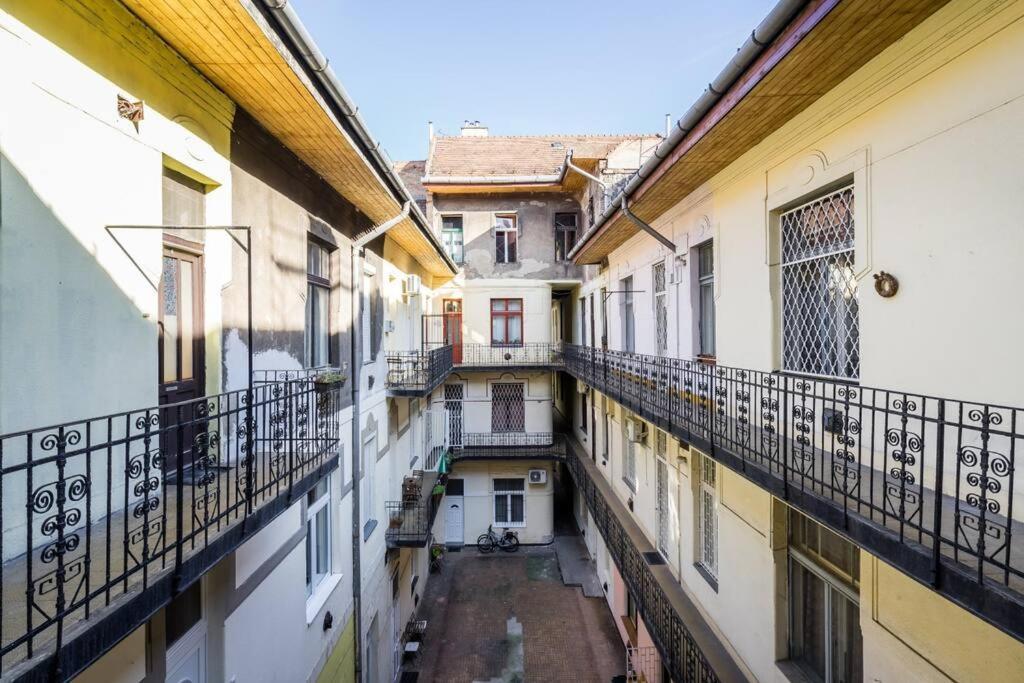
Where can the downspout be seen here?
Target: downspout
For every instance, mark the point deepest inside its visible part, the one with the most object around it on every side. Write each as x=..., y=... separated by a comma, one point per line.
x=585, y=174
x=647, y=228
x=356, y=359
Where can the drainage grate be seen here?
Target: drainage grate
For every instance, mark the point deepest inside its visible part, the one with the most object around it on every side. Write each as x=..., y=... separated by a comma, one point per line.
x=653, y=557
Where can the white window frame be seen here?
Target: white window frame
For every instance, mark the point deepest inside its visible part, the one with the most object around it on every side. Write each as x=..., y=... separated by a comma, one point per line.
x=320, y=588
x=628, y=314
x=503, y=233
x=628, y=459
x=507, y=495
x=659, y=299
x=707, y=492
x=462, y=236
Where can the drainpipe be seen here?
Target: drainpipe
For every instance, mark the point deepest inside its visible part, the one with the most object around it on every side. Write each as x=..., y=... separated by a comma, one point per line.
x=647, y=228
x=356, y=359
x=585, y=174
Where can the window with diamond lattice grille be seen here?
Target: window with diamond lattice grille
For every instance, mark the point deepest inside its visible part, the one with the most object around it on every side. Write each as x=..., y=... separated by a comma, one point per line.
x=660, y=309
x=820, y=319
x=508, y=413
x=707, y=516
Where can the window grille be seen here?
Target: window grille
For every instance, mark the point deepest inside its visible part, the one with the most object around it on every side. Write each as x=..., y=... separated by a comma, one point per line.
x=660, y=309
x=708, y=516
x=453, y=396
x=820, y=318
x=507, y=409
x=662, y=493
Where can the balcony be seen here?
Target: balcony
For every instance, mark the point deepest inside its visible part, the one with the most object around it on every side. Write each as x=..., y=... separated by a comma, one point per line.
x=415, y=373
x=106, y=519
x=926, y=483
x=688, y=648
x=510, y=445
x=411, y=519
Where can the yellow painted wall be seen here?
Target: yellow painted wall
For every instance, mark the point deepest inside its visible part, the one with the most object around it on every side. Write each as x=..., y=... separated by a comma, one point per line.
x=912, y=633
x=341, y=664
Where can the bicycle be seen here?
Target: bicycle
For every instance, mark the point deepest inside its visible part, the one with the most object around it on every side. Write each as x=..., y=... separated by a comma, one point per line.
x=508, y=541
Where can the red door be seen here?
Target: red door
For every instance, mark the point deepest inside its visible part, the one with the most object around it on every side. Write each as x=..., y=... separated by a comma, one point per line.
x=452, y=309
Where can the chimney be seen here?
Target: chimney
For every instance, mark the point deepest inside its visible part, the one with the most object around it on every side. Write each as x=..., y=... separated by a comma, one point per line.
x=473, y=129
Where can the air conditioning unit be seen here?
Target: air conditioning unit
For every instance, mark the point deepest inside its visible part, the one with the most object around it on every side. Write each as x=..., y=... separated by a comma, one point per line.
x=582, y=388
x=412, y=286
x=636, y=430
x=538, y=476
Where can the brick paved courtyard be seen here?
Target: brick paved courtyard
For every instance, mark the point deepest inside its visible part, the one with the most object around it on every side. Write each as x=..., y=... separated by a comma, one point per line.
x=565, y=636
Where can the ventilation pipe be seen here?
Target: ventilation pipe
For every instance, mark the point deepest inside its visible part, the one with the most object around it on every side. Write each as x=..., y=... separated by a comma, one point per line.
x=769, y=29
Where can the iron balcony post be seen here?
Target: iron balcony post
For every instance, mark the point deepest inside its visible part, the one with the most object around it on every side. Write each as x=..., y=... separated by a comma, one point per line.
x=62, y=547
x=249, y=454
x=289, y=425
x=940, y=444
x=179, y=496
x=784, y=444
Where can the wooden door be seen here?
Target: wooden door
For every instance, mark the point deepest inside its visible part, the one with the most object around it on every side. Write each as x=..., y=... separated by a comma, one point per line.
x=452, y=309
x=180, y=344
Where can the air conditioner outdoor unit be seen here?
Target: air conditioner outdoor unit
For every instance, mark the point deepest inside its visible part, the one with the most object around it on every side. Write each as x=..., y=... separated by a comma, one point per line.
x=538, y=476
x=412, y=285
x=581, y=388
x=636, y=430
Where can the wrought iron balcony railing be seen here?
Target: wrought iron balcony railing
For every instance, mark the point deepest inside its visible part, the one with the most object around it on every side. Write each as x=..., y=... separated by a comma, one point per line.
x=522, y=445
x=105, y=519
x=680, y=653
x=416, y=373
x=410, y=520
x=531, y=354
x=927, y=483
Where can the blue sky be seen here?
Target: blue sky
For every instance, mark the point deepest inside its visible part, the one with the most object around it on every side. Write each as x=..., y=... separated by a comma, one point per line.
x=526, y=66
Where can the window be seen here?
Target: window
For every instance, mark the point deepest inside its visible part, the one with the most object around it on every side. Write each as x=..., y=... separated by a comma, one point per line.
x=369, y=465
x=707, y=516
x=661, y=453
x=706, y=299
x=368, y=318
x=820, y=318
x=583, y=321
x=583, y=413
x=604, y=317
x=506, y=235
x=660, y=309
x=628, y=458
x=506, y=322
x=452, y=238
x=590, y=210
x=628, y=331
x=824, y=577
x=318, y=535
x=509, y=502
x=184, y=199
x=508, y=412
x=565, y=235
x=318, y=297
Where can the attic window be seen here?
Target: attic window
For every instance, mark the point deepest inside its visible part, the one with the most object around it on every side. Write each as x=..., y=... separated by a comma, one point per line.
x=557, y=145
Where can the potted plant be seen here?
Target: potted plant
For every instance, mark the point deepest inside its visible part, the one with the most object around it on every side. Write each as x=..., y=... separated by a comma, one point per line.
x=395, y=519
x=328, y=380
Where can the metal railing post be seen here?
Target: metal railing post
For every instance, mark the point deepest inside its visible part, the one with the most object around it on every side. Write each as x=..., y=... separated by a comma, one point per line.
x=179, y=499
x=940, y=447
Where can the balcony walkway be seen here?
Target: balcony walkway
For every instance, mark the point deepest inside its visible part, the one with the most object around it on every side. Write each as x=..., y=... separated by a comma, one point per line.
x=132, y=537
x=688, y=646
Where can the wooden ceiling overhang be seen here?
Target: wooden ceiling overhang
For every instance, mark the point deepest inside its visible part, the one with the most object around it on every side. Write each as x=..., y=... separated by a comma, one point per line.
x=232, y=44
x=569, y=182
x=824, y=44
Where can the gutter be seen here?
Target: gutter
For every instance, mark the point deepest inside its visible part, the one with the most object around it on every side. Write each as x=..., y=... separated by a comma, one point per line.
x=554, y=178
x=760, y=38
x=286, y=23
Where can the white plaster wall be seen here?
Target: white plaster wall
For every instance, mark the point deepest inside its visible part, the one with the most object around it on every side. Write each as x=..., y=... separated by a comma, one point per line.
x=478, y=499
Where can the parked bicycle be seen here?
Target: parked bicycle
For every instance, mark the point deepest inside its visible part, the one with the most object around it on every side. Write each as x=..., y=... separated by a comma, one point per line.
x=507, y=541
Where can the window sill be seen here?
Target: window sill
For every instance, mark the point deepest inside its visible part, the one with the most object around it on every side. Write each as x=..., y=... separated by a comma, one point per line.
x=509, y=525
x=707, y=576
x=316, y=601
x=792, y=672
x=630, y=628
x=631, y=485
x=368, y=528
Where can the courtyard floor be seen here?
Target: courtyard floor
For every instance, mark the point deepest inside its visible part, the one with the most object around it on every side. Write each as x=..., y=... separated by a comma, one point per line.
x=478, y=604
